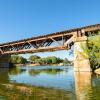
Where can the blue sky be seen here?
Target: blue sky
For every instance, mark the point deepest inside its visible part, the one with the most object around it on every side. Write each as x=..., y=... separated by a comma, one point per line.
x=27, y=18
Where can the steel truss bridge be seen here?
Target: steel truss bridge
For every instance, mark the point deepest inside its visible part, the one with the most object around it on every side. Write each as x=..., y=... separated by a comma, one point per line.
x=51, y=42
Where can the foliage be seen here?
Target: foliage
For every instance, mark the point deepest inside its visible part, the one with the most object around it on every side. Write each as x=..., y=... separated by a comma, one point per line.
x=34, y=57
x=15, y=59
x=51, y=60
x=93, y=50
x=39, y=61
x=54, y=60
x=18, y=59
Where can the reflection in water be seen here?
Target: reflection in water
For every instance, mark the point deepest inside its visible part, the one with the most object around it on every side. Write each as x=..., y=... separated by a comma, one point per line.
x=4, y=78
x=87, y=86
x=82, y=85
x=41, y=80
x=48, y=71
x=16, y=70
x=95, y=92
x=48, y=76
x=51, y=82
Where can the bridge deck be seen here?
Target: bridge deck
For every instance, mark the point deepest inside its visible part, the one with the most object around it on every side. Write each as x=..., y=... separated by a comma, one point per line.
x=43, y=43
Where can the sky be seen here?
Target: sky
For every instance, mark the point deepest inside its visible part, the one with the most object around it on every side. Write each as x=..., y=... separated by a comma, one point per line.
x=21, y=19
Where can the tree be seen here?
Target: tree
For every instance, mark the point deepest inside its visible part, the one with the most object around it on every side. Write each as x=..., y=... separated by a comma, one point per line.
x=34, y=57
x=93, y=50
x=21, y=60
x=18, y=59
x=48, y=60
x=54, y=60
x=14, y=59
x=39, y=61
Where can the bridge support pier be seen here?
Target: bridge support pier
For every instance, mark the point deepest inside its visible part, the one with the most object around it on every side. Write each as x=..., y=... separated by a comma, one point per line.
x=4, y=61
x=81, y=59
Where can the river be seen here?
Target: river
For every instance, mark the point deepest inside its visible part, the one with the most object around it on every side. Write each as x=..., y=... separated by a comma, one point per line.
x=48, y=83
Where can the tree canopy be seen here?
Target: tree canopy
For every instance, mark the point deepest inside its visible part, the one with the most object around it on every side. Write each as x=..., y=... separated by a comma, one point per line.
x=15, y=59
x=50, y=60
x=18, y=59
x=34, y=57
x=93, y=50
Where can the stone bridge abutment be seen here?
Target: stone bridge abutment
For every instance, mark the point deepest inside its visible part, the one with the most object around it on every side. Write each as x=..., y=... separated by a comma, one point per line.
x=81, y=58
x=4, y=61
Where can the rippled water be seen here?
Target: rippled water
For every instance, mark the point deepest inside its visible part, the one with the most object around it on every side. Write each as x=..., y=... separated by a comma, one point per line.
x=80, y=86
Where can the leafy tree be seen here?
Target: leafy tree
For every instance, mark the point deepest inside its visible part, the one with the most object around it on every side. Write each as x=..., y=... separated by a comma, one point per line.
x=93, y=50
x=18, y=59
x=39, y=61
x=59, y=60
x=34, y=57
x=21, y=60
x=54, y=60
x=14, y=59
x=48, y=60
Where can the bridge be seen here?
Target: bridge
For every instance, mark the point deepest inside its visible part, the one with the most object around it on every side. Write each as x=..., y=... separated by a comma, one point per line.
x=51, y=42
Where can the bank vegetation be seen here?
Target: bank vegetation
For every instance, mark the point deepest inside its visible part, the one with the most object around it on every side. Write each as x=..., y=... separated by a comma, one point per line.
x=35, y=60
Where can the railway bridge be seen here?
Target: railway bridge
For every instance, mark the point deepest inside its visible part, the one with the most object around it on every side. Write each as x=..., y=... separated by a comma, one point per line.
x=52, y=42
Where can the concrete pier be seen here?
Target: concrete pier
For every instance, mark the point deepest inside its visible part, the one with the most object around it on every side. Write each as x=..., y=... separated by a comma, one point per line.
x=81, y=59
x=4, y=61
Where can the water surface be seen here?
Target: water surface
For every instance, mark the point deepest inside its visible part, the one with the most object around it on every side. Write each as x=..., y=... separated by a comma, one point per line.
x=61, y=80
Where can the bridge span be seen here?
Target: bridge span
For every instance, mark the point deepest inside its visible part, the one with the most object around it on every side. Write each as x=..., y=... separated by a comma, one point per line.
x=46, y=42
x=51, y=42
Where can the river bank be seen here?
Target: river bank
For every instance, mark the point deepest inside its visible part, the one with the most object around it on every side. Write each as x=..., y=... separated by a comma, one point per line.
x=43, y=64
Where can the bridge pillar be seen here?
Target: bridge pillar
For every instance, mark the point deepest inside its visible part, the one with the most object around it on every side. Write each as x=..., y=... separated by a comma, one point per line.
x=81, y=59
x=4, y=61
